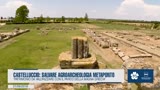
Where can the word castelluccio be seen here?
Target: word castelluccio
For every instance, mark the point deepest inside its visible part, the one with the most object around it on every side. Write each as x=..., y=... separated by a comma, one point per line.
x=63, y=74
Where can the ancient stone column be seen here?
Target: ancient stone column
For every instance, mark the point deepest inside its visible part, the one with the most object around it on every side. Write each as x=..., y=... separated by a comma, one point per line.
x=74, y=48
x=85, y=48
x=80, y=48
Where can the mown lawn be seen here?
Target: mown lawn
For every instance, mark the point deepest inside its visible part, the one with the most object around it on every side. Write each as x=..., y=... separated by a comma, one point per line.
x=34, y=50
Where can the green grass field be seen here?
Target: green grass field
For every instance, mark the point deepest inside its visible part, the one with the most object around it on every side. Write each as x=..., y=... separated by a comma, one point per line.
x=32, y=49
x=118, y=27
x=111, y=26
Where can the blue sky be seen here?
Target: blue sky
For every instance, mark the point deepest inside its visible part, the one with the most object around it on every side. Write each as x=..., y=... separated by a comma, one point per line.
x=109, y=9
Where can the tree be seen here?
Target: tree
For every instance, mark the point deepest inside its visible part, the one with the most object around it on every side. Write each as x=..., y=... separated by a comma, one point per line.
x=86, y=17
x=40, y=19
x=80, y=20
x=21, y=14
x=48, y=19
x=71, y=20
x=155, y=25
x=54, y=20
x=57, y=20
x=75, y=19
x=63, y=19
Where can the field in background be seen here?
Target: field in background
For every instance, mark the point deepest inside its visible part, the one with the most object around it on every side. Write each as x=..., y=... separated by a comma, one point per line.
x=111, y=26
x=126, y=27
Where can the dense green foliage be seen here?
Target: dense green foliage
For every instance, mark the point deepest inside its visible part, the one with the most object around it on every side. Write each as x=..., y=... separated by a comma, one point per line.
x=86, y=17
x=63, y=19
x=21, y=14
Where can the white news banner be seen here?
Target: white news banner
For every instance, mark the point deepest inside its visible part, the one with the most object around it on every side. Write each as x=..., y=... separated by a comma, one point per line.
x=66, y=76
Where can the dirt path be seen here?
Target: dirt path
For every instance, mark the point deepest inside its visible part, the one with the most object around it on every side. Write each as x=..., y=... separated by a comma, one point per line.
x=6, y=43
x=109, y=58
x=89, y=26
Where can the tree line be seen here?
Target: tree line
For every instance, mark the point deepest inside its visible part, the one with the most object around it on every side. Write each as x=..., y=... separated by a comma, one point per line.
x=62, y=19
x=21, y=17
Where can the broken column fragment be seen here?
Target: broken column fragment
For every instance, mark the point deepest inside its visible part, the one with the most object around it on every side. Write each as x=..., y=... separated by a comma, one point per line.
x=74, y=48
x=80, y=48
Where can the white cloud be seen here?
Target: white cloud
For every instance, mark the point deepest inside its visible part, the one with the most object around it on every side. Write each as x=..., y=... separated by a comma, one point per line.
x=9, y=8
x=93, y=11
x=138, y=9
x=14, y=4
